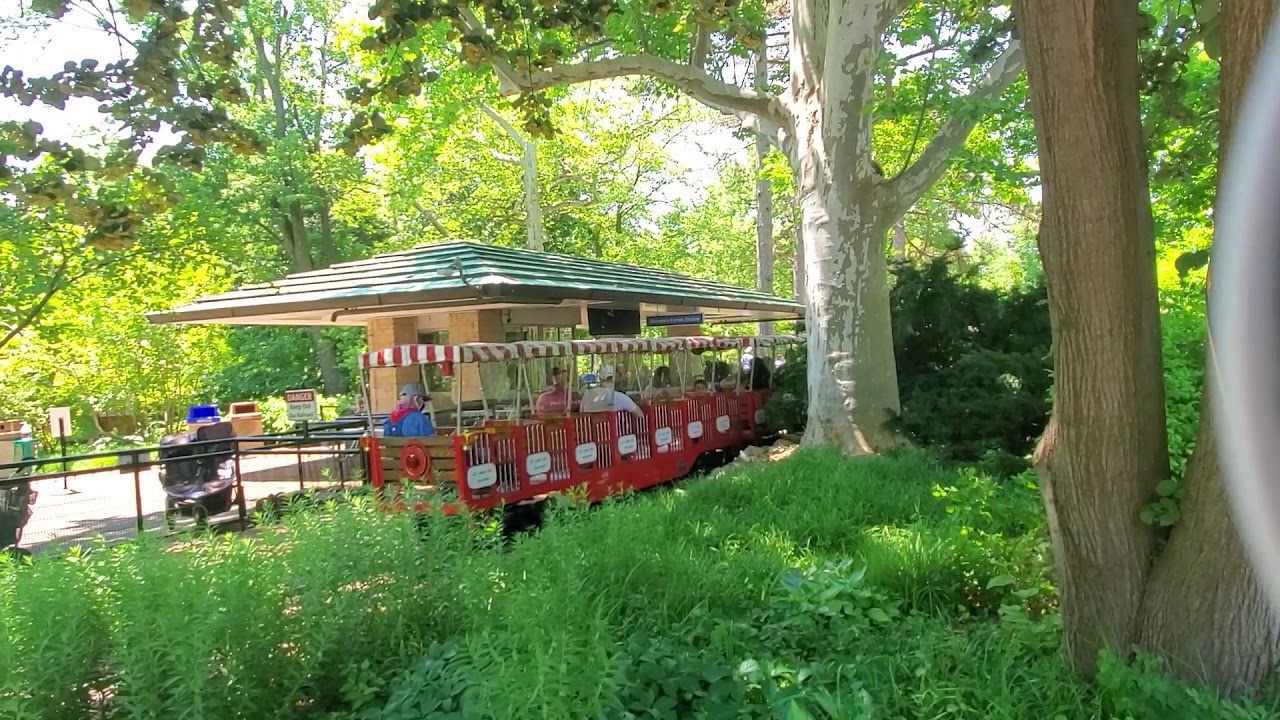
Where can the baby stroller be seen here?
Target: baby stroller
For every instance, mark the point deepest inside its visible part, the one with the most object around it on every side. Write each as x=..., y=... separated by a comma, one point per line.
x=198, y=480
x=16, y=498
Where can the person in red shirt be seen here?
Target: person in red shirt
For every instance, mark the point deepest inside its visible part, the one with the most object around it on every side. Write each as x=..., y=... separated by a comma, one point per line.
x=556, y=399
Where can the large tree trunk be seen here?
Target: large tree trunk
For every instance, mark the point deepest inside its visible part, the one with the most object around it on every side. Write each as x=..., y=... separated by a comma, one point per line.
x=1206, y=611
x=1104, y=450
x=798, y=281
x=764, y=198
x=332, y=378
x=1199, y=605
x=852, y=379
x=853, y=382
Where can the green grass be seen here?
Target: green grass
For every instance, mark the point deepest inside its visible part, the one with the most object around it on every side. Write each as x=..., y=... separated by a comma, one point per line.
x=817, y=587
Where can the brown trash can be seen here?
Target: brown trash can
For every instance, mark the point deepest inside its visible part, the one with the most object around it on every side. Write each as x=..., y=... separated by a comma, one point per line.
x=9, y=432
x=246, y=420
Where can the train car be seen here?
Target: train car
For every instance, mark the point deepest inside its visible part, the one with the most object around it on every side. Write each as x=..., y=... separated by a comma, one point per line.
x=696, y=398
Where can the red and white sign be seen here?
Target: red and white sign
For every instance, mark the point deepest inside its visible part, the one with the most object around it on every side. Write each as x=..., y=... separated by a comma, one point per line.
x=301, y=405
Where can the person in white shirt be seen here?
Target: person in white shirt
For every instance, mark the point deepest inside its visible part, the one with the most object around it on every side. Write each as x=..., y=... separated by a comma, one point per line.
x=604, y=397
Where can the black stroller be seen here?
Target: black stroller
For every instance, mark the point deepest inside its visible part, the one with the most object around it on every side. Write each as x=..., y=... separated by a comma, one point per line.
x=200, y=480
x=16, y=498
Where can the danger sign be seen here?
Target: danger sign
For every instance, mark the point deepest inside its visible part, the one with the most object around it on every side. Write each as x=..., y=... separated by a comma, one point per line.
x=301, y=405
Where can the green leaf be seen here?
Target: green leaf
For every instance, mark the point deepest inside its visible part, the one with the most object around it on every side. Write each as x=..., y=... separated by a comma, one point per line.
x=1001, y=581
x=878, y=615
x=1167, y=487
x=796, y=711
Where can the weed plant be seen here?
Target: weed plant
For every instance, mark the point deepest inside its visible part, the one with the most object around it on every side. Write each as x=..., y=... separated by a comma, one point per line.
x=817, y=587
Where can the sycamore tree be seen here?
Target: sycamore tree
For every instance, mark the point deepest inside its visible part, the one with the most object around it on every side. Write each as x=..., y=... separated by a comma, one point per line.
x=819, y=118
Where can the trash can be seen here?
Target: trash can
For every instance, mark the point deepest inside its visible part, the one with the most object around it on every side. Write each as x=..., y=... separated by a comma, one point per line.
x=15, y=444
x=200, y=415
x=16, y=498
x=246, y=420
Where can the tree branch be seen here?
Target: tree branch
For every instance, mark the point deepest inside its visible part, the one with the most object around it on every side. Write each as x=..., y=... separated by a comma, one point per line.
x=699, y=84
x=704, y=88
x=55, y=284
x=901, y=192
x=504, y=157
x=701, y=44
x=571, y=203
x=928, y=51
x=430, y=217
x=505, y=125
x=887, y=10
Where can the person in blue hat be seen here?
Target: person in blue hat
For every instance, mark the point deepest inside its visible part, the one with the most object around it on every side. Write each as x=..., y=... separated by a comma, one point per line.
x=409, y=417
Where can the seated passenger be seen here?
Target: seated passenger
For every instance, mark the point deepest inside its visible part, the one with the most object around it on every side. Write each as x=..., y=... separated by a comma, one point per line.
x=604, y=397
x=757, y=378
x=662, y=385
x=699, y=386
x=409, y=417
x=556, y=399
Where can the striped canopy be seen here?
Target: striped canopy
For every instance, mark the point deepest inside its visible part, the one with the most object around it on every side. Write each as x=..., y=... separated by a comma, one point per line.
x=404, y=355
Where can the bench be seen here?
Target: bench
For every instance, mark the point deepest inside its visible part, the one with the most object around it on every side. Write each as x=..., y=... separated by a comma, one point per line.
x=442, y=466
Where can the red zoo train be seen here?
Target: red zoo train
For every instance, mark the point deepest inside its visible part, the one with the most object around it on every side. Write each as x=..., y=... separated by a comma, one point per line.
x=506, y=452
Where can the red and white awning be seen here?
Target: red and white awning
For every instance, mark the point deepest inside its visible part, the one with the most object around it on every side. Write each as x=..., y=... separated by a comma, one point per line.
x=405, y=355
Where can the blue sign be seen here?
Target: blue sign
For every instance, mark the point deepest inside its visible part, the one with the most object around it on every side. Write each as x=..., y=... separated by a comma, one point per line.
x=668, y=320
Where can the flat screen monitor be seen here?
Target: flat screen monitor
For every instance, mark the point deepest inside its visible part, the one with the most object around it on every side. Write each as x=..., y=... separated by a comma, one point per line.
x=602, y=322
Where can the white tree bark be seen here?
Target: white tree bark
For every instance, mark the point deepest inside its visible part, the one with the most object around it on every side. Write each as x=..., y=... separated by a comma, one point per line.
x=798, y=281
x=764, y=198
x=535, y=232
x=899, y=243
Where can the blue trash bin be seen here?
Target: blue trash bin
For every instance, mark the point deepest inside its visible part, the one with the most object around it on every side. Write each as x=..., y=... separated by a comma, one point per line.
x=200, y=414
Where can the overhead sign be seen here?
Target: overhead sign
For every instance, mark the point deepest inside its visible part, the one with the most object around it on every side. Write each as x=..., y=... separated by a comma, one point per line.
x=301, y=405
x=60, y=422
x=669, y=320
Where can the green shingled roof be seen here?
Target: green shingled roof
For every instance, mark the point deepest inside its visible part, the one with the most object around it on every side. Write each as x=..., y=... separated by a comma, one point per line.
x=464, y=272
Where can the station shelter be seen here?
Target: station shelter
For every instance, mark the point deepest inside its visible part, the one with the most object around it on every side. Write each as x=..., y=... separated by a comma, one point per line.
x=458, y=292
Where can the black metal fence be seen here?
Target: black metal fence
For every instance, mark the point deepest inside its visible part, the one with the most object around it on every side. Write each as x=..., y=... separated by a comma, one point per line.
x=52, y=503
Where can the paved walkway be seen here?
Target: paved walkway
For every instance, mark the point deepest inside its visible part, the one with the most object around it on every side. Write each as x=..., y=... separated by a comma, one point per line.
x=106, y=503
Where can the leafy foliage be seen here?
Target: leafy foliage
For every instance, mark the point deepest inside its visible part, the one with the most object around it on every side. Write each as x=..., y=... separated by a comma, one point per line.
x=817, y=587
x=973, y=365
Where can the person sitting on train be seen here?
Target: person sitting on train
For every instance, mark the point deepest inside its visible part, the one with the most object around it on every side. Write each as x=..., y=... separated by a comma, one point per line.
x=409, y=417
x=603, y=396
x=556, y=399
x=757, y=377
x=663, y=386
x=699, y=386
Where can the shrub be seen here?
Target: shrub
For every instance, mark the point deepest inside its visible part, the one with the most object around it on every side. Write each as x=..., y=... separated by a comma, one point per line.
x=973, y=365
x=973, y=368
x=788, y=408
x=818, y=587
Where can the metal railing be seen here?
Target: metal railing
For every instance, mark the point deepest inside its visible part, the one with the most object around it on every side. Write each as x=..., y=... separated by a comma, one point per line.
x=118, y=494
